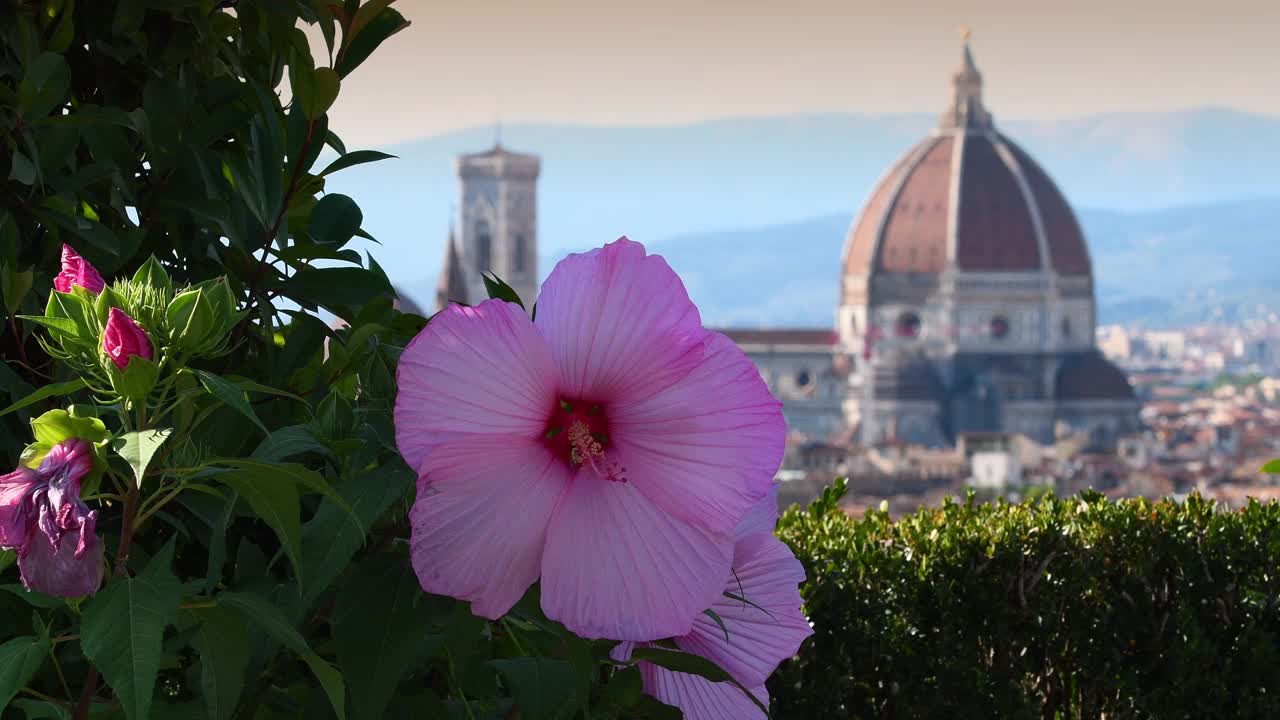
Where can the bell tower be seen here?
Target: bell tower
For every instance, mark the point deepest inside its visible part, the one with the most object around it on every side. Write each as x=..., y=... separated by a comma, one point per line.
x=497, y=227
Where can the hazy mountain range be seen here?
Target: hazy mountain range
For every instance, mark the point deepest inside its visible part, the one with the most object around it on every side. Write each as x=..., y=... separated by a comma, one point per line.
x=1153, y=267
x=1167, y=181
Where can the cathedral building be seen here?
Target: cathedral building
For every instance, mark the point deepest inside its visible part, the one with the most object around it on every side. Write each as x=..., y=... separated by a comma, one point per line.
x=496, y=228
x=966, y=304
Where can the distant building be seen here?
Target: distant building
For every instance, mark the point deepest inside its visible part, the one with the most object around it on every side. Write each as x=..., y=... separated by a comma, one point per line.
x=497, y=229
x=966, y=304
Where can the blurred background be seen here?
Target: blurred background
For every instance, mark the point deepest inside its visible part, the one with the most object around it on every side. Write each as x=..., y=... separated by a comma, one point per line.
x=1011, y=246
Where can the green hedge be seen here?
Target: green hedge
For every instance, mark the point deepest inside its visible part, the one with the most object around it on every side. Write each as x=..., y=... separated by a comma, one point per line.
x=1056, y=608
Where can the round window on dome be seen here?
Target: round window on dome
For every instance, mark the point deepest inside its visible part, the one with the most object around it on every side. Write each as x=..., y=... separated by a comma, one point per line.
x=803, y=378
x=908, y=325
x=999, y=327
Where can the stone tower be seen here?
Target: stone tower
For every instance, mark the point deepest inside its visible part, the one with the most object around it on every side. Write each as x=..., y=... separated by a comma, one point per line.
x=497, y=228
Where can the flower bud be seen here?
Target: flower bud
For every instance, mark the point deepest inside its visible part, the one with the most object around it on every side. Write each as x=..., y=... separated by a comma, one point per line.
x=152, y=273
x=123, y=339
x=77, y=272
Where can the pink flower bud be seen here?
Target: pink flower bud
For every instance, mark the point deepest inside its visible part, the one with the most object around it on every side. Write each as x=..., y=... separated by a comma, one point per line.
x=76, y=271
x=122, y=339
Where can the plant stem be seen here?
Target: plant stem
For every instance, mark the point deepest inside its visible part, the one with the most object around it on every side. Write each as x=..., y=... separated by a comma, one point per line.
x=121, y=566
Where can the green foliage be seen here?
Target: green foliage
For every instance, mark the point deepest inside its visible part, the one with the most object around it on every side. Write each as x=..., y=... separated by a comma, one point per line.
x=1055, y=608
x=248, y=492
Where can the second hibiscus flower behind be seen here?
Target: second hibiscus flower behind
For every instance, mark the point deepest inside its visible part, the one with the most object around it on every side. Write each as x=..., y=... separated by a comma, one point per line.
x=609, y=448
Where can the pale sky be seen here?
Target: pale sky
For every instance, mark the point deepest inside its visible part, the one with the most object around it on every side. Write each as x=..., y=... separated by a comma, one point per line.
x=464, y=63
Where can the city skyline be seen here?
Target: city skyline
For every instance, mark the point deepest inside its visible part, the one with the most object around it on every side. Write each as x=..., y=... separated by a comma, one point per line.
x=667, y=63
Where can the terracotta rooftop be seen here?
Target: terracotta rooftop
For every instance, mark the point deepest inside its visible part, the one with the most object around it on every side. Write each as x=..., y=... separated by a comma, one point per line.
x=1089, y=376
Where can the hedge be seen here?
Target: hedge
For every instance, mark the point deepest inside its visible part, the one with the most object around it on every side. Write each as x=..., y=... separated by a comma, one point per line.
x=1056, y=608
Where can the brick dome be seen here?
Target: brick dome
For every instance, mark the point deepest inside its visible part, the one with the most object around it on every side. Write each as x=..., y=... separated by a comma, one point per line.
x=969, y=198
x=1090, y=376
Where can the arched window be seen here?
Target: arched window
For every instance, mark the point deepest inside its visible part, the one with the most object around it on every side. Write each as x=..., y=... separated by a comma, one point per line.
x=484, y=246
x=999, y=327
x=518, y=251
x=1066, y=327
x=908, y=325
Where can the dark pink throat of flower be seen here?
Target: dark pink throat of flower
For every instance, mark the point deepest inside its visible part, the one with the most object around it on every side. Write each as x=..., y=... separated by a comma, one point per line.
x=578, y=432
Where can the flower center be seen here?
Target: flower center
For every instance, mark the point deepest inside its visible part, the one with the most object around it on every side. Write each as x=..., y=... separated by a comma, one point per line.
x=579, y=432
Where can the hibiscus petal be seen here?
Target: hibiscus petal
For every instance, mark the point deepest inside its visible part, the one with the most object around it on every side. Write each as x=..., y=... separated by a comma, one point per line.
x=482, y=370
x=619, y=323
x=762, y=517
x=766, y=629
x=705, y=449
x=480, y=519
x=14, y=489
x=616, y=566
x=701, y=699
x=61, y=572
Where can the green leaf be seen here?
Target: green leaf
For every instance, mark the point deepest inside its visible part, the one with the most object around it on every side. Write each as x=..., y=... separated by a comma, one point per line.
x=223, y=644
x=384, y=25
x=229, y=393
x=625, y=687
x=287, y=442
x=57, y=425
x=44, y=87
x=153, y=274
x=327, y=85
x=41, y=709
x=138, y=447
x=377, y=630
x=267, y=616
x=14, y=286
x=351, y=159
x=33, y=598
x=677, y=661
x=46, y=391
x=332, y=536
x=336, y=286
x=278, y=506
x=1272, y=468
x=123, y=626
x=20, y=658
x=543, y=688
x=499, y=290
x=335, y=219
x=137, y=379
x=66, y=326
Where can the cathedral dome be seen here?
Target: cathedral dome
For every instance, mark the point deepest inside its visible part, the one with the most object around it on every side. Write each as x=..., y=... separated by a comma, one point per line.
x=966, y=198
x=1090, y=376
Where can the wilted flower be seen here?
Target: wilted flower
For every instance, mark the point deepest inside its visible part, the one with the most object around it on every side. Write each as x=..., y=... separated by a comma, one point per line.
x=760, y=609
x=77, y=272
x=123, y=338
x=610, y=447
x=53, y=531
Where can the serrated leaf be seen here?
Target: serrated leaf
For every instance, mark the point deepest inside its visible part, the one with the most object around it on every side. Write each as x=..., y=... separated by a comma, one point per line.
x=268, y=617
x=277, y=504
x=332, y=536
x=543, y=688
x=123, y=626
x=20, y=659
x=223, y=644
x=138, y=447
x=231, y=394
x=376, y=631
x=351, y=159
x=55, y=426
x=287, y=442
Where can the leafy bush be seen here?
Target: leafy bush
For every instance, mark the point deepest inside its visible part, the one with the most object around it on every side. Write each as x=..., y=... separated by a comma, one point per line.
x=1056, y=608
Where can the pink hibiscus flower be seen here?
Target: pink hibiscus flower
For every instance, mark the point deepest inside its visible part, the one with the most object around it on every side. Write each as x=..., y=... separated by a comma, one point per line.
x=610, y=447
x=760, y=609
x=44, y=519
x=77, y=272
